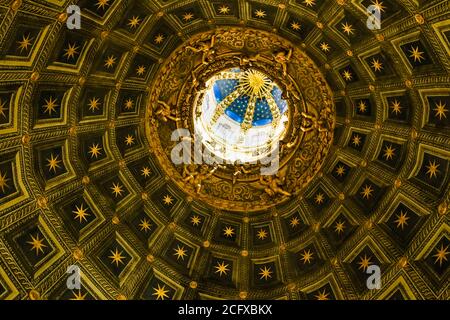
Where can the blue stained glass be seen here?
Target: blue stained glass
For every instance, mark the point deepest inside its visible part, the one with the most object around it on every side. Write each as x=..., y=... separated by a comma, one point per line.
x=282, y=104
x=237, y=109
x=262, y=115
x=222, y=88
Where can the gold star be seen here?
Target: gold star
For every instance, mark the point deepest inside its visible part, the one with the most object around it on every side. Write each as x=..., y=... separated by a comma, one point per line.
x=50, y=105
x=3, y=181
x=228, y=232
x=195, y=220
x=377, y=65
x=356, y=140
x=188, y=16
x=180, y=252
x=134, y=22
x=2, y=108
x=71, y=51
x=145, y=225
x=307, y=256
x=396, y=107
x=294, y=222
x=81, y=213
x=167, y=200
x=53, y=163
x=159, y=38
x=416, y=54
x=260, y=13
x=441, y=255
x=116, y=257
x=295, y=26
x=347, y=75
x=362, y=107
x=310, y=3
x=347, y=28
x=94, y=104
x=222, y=268
x=322, y=295
x=367, y=192
x=224, y=9
x=340, y=171
x=339, y=227
x=265, y=273
x=146, y=172
x=389, y=153
x=37, y=244
x=117, y=189
x=129, y=140
x=94, y=150
x=319, y=198
x=110, y=61
x=161, y=292
x=129, y=104
x=432, y=169
x=325, y=47
x=25, y=43
x=402, y=220
x=140, y=70
x=440, y=110
x=364, y=263
x=379, y=5
x=78, y=296
x=101, y=4
x=262, y=234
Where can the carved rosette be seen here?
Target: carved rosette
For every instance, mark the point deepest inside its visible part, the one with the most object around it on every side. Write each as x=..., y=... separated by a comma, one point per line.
x=180, y=83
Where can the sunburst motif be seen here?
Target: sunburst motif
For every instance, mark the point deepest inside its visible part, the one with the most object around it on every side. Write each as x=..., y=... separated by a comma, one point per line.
x=348, y=28
x=116, y=257
x=262, y=234
x=228, y=232
x=322, y=295
x=80, y=213
x=255, y=83
x=117, y=189
x=441, y=255
x=50, y=105
x=432, y=169
x=94, y=104
x=265, y=273
x=134, y=22
x=102, y=4
x=3, y=181
x=309, y=3
x=389, y=152
x=221, y=268
x=306, y=256
x=440, y=110
x=160, y=292
x=367, y=192
x=37, y=244
x=167, y=200
x=416, y=54
x=379, y=6
x=260, y=13
x=71, y=51
x=402, y=219
x=95, y=150
x=78, y=296
x=396, y=107
x=364, y=263
x=145, y=225
x=180, y=252
x=25, y=42
x=53, y=163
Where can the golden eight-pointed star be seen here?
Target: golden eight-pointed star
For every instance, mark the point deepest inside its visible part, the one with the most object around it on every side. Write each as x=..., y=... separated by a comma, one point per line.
x=129, y=103
x=367, y=192
x=129, y=140
x=145, y=225
x=3, y=181
x=295, y=26
x=340, y=170
x=159, y=38
x=402, y=219
x=110, y=61
x=116, y=257
x=319, y=198
x=396, y=107
x=146, y=172
x=356, y=140
x=80, y=213
x=168, y=200
x=3, y=108
x=260, y=13
x=224, y=9
x=416, y=54
x=441, y=255
x=347, y=75
x=180, y=252
x=117, y=189
x=265, y=273
x=78, y=296
x=71, y=51
x=25, y=42
x=95, y=150
x=325, y=47
x=102, y=4
x=440, y=110
x=50, y=105
x=347, y=28
x=339, y=227
x=322, y=295
x=140, y=70
x=53, y=163
x=432, y=169
x=310, y=3
x=94, y=104
x=160, y=292
x=379, y=6
x=364, y=263
x=196, y=220
x=228, y=232
x=188, y=16
x=362, y=107
x=222, y=268
x=377, y=65
x=307, y=256
x=389, y=152
x=37, y=244
x=294, y=222
x=261, y=234
x=134, y=22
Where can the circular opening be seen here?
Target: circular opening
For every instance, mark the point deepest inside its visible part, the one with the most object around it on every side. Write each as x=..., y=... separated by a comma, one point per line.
x=242, y=115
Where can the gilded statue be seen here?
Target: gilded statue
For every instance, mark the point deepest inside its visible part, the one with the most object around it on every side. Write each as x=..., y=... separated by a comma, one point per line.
x=273, y=184
x=283, y=58
x=207, y=50
x=164, y=112
x=196, y=177
x=310, y=123
x=239, y=170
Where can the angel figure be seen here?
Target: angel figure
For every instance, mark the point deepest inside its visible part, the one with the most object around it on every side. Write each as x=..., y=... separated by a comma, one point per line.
x=310, y=123
x=164, y=112
x=240, y=169
x=206, y=48
x=196, y=178
x=283, y=59
x=273, y=185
